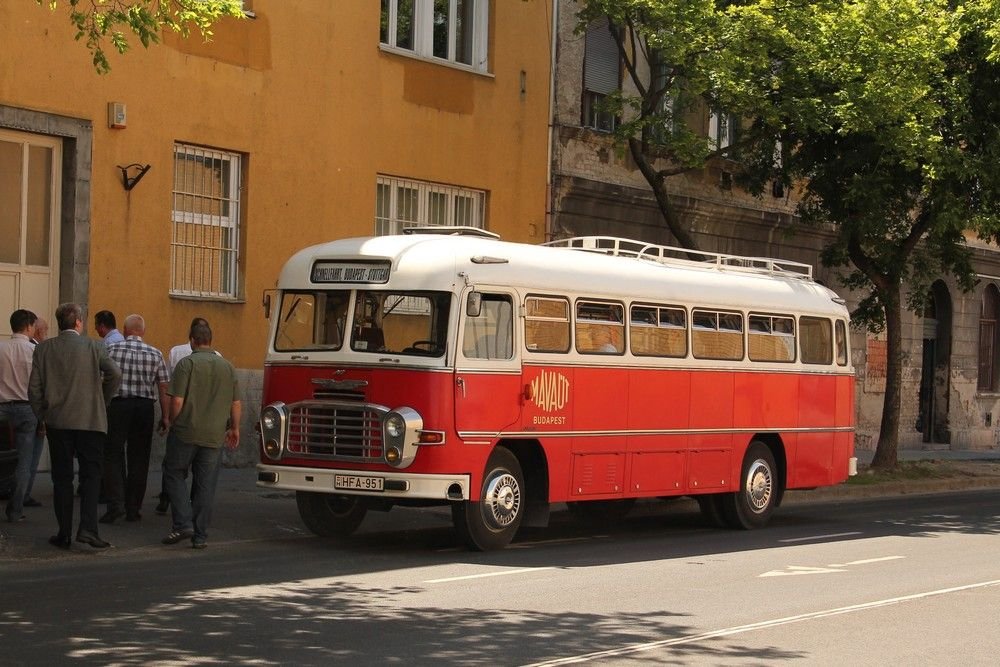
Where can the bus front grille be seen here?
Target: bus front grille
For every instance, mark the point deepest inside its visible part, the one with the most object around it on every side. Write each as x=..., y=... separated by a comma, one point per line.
x=336, y=431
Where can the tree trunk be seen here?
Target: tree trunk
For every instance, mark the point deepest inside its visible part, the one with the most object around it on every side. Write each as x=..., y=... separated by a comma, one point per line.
x=886, y=452
x=656, y=183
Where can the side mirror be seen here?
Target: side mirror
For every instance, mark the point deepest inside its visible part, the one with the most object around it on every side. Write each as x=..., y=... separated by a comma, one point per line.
x=474, y=304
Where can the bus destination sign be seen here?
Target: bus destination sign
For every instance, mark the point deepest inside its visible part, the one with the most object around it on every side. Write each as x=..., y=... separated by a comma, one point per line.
x=350, y=272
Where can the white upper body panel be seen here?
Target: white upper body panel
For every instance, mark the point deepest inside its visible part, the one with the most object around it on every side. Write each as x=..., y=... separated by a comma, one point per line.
x=446, y=262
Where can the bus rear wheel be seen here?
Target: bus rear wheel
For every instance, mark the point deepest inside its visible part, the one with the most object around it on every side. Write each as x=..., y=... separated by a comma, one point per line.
x=491, y=522
x=330, y=515
x=752, y=504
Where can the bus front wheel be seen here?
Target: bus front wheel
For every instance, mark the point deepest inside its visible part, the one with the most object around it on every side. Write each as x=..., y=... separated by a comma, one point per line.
x=330, y=515
x=492, y=521
x=752, y=504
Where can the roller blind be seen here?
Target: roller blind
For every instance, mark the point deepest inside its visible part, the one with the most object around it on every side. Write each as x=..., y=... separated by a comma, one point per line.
x=600, y=61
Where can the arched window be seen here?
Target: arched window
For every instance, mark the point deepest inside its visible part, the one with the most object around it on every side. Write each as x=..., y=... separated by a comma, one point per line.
x=989, y=355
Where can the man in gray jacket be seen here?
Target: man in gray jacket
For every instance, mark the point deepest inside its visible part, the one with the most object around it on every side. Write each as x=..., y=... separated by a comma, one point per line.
x=72, y=382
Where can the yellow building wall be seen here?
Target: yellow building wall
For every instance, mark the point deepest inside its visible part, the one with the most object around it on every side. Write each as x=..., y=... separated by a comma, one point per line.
x=318, y=109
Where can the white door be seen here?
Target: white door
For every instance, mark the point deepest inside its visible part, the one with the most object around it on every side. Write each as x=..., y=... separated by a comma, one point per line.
x=29, y=224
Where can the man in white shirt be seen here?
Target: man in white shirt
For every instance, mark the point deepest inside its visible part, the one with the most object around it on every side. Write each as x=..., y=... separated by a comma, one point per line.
x=15, y=371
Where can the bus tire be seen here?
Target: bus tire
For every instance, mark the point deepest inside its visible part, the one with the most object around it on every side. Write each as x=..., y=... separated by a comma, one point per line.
x=752, y=504
x=710, y=505
x=491, y=522
x=330, y=515
x=601, y=511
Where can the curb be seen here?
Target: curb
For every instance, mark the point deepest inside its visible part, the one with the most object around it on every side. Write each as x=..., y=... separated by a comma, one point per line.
x=907, y=488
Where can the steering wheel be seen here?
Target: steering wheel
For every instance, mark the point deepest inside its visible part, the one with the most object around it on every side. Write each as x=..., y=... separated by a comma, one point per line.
x=428, y=347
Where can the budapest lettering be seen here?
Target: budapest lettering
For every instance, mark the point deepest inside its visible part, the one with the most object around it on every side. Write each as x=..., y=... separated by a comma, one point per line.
x=550, y=393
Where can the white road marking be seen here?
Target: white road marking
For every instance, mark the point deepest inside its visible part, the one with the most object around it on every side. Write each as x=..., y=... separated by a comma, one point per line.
x=868, y=560
x=820, y=537
x=483, y=575
x=834, y=567
x=799, y=569
x=739, y=629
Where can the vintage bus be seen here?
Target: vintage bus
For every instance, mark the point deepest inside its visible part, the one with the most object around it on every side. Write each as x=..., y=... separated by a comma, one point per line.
x=445, y=366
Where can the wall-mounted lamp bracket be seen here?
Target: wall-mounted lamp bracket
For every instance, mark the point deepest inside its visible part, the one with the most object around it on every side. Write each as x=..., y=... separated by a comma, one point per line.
x=138, y=169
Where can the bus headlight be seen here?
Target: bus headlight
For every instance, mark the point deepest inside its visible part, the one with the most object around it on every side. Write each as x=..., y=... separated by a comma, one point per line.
x=401, y=436
x=272, y=429
x=395, y=426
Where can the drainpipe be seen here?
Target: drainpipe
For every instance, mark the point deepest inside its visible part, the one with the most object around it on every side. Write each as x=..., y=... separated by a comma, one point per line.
x=549, y=193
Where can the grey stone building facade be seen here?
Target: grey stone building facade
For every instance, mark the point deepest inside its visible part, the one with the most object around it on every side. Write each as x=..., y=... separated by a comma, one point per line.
x=951, y=381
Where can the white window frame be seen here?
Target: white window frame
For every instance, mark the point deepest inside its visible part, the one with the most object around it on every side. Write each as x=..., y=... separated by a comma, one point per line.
x=423, y=33
x=721, y=129
x=226, y=274
x=389, y=219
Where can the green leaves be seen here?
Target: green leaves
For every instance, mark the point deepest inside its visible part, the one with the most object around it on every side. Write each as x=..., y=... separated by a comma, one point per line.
x=99, y=22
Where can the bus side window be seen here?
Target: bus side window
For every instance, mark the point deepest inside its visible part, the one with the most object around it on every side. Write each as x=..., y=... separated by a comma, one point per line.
x=658, y=331
x=600, y=328
x=816, y=336
x=546, y=324
x=490, y=335
x=772, y=338
x=717, y=335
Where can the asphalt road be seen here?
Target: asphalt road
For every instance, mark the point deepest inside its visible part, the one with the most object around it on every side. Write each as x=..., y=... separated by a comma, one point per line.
x=905, y=580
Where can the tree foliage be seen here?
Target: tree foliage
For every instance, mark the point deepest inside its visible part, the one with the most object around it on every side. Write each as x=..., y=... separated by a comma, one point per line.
x=99, y=22
x=885, y=114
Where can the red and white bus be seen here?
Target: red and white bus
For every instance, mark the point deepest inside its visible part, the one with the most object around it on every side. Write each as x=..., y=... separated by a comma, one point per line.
x=445, y=366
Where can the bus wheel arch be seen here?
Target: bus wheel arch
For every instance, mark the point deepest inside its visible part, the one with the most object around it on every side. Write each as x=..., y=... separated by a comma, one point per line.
x=535, y=468
x=758, y=489
x=491, y=522
x=777, y=447
x=329, y=514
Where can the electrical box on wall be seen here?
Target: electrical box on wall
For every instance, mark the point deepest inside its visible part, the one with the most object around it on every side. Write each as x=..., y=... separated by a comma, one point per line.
x=116, y=115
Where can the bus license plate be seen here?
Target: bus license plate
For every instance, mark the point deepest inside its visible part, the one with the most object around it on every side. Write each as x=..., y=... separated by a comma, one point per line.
x=357, y=483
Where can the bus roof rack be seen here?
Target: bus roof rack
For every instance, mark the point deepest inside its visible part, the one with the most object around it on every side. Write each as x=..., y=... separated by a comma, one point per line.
x=670, y=255
x=452, y=230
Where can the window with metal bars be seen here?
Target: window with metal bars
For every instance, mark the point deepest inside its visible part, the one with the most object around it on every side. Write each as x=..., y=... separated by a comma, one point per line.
x=205, y=239
x=402, y=203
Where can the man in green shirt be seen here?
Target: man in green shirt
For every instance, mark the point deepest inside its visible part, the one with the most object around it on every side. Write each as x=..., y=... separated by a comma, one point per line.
x=204, y=414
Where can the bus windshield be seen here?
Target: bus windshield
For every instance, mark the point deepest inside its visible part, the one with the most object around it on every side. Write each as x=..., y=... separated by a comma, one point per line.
x=405, y=323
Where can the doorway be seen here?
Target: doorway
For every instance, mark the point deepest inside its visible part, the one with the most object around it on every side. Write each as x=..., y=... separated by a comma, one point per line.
x=935, y=375
x=30, y=186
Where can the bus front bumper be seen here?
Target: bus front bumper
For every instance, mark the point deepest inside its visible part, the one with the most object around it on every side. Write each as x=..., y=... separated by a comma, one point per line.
x=364, y=482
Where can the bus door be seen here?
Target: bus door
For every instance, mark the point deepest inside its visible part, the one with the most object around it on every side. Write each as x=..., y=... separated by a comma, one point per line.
x=488, y=391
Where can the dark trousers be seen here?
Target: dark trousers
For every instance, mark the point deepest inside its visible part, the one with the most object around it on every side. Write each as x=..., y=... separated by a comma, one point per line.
x=191, y=510
x=88, y=448
x=126, y=453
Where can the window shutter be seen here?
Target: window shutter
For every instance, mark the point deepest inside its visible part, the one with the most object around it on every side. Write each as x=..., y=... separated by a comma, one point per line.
x=600, y=61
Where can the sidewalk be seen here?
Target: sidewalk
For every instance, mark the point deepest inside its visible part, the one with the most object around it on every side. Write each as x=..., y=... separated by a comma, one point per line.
x=244, y=512
x=241, y=512
x=865, y=456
